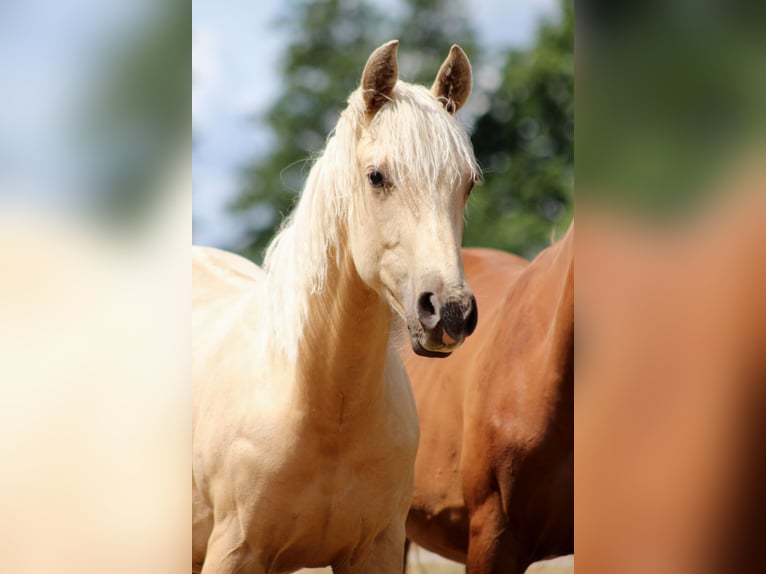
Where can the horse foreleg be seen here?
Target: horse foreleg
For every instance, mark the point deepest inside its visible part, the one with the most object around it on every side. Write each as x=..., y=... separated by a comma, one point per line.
x=202, y=527
x=490, y=546
x=228, y=553
x=386, y=556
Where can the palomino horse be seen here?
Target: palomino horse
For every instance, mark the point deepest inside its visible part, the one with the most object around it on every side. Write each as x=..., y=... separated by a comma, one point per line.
x=305, y=427
x=493, y=477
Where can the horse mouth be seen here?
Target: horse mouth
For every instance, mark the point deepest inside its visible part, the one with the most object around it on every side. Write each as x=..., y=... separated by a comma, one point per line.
x=432, y=343
x=432, y=338
x=419, y=349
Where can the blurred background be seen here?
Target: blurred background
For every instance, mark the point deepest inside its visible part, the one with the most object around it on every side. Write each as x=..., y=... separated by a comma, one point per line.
x=270, y=79
x=95, y=226
x=671, y=276
x=670, y=102
x=94, y=105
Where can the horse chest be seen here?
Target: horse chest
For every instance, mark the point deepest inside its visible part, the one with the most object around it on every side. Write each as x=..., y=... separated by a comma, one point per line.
x=331, y=493
x=347, y=463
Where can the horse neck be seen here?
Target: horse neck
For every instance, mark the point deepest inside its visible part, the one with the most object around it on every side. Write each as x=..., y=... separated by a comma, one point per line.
x=562, y=325
x=561, y=331
x=549, y=281
x=344, y=345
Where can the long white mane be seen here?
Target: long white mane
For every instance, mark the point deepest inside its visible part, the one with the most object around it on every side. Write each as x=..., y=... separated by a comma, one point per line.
x=424, y=144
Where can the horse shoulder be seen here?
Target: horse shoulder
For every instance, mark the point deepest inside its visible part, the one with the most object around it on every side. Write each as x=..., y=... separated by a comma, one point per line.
x=224, y=292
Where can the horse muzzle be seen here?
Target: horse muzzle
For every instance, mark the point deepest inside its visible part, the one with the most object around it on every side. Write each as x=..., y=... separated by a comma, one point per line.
x=442, y=327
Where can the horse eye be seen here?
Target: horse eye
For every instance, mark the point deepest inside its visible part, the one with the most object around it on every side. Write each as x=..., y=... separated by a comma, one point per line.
x=376, y=179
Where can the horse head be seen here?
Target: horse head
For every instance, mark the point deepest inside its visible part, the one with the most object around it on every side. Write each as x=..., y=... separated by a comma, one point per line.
x=416, y=169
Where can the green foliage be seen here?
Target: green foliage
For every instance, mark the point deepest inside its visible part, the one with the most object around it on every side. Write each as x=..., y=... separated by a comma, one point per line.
x=525, y=143
x=666, y=121
x=320, y=68
x=427, y=29
x=524, y=140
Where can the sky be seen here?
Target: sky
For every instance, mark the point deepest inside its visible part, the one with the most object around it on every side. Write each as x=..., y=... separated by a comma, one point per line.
x=235, y=52
x=52, y=55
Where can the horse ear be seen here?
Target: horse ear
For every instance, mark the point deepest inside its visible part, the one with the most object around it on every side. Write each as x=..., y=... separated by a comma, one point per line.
x=379, y=77
x=452, y=85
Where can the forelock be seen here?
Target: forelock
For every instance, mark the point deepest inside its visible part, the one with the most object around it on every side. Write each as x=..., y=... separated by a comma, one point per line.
x=420, y=141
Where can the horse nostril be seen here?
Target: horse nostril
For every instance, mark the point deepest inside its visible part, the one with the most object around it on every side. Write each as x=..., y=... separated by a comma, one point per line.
x=426, y=310
x=471, y=316
x=452, y=320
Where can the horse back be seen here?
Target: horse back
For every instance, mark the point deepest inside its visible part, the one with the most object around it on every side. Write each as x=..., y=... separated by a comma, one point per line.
x=224, y=298
x=215, y=270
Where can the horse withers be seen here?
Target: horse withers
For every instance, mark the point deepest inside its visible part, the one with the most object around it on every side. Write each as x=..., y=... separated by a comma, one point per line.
x=494, y=470
x=305, y=427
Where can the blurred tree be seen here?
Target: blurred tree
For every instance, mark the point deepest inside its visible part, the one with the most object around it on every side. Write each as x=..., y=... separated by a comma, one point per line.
x=428, y=28
x=319, y=69
x=525, y=143
x=322, y=65
x=136, y=120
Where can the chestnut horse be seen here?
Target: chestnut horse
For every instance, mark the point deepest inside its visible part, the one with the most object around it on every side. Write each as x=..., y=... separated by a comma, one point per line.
x=493, y=476
x=304, y=424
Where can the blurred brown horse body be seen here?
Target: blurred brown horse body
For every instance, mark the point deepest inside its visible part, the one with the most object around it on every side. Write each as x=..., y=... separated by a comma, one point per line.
x=494, y=470
x=671, y=392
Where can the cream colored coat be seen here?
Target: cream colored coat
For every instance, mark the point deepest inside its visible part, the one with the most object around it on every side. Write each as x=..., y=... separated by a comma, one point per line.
x=305, y=429
x=291, y=457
